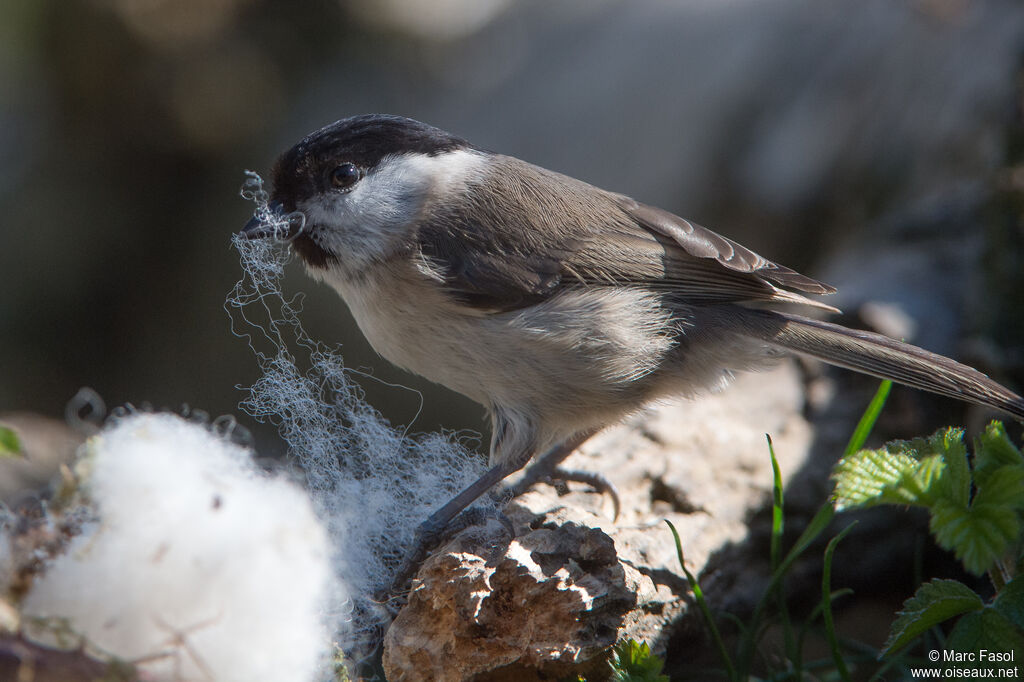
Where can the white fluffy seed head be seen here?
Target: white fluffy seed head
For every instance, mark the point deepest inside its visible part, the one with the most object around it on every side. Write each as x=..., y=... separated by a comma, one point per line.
x=198, y=565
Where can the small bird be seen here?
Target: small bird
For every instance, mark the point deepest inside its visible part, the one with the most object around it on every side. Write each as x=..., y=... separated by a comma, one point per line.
x=558, y=306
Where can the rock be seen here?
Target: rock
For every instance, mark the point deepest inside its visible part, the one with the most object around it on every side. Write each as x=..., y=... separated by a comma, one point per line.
x=551, y=601
x=541, y=601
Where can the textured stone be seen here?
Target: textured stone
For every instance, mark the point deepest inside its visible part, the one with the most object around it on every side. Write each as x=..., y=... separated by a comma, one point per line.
x=550, y=602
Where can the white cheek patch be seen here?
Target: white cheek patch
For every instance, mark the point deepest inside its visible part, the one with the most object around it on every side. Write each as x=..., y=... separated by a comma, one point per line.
x=362, y=224
x=444, y=170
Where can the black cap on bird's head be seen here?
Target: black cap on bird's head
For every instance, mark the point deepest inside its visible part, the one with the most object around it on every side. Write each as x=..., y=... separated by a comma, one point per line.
x=334, y=158
x=361, y=141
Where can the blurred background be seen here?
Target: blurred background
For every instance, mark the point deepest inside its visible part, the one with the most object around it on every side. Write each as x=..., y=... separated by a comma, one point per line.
x=875, y=143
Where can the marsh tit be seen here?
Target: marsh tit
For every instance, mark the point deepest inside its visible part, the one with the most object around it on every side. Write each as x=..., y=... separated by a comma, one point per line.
x=558, y=306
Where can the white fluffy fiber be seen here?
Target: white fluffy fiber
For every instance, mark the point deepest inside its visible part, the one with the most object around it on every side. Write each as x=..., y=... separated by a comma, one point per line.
x=198, y=565
x=371, y=482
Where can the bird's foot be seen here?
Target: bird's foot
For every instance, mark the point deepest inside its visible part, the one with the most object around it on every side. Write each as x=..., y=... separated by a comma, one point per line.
x=559, y=478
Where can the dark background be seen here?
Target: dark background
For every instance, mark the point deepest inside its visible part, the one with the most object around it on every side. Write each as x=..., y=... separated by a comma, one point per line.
x=874, y=143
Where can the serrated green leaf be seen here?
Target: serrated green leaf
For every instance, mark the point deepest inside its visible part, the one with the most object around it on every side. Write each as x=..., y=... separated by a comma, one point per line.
x=10, y=445
x=993, y=451
x=632, y=661
x=996, y=445
x=1010, y=601
x=949, y=440
x=928, y=478
x=933, y=603
x=886, y=476
x=1004, y=486
x=949, y=443
x=987, y=630
x=978, y=536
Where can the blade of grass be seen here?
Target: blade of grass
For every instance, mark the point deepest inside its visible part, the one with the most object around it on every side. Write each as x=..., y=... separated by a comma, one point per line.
x=826, y=604
x=778, y=527
x=900, y=660
x=813, y=616
x=817, y=525
x=698, y=595
x=868, y=419
x=777, y=501
x=827, y=665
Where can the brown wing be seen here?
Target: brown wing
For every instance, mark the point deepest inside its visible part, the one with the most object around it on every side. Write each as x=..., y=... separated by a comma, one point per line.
x=545, y=232
x=703, y=243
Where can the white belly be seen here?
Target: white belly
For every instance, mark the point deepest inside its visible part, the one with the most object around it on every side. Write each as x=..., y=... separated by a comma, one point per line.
x=575, y=357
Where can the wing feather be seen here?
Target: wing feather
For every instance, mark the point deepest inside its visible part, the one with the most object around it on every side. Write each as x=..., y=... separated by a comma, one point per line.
x=539, y=236
x=703, y=243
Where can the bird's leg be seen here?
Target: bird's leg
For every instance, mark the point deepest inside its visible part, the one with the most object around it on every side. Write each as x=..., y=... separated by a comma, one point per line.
x=429, y=532
x=518, y=451
x=547, y=470
x=547, y=464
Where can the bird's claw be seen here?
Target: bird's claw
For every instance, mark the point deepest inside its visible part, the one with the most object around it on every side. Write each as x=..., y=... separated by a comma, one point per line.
x=558, y=477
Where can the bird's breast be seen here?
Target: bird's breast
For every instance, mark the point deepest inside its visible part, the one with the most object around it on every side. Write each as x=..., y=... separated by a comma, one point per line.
x=580, y=354
x=410, y=323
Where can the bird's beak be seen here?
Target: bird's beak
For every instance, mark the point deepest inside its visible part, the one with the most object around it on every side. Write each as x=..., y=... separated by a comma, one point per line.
x=262, y=226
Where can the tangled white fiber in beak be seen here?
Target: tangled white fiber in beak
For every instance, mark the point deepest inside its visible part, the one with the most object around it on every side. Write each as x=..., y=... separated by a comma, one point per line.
x=371, y=482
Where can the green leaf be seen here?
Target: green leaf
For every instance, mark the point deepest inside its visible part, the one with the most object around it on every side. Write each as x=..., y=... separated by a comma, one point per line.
x=987, y=629
x=1004, y=486
x=956, y=484
x=10, y=445
x=1010, y=601
x=915, y=472
x=632, y=661
x=933, y=603
x=978, y=535
x=886, y=476
x=994, y=450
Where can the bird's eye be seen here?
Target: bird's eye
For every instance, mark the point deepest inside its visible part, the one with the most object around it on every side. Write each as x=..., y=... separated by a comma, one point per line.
x=345, y=175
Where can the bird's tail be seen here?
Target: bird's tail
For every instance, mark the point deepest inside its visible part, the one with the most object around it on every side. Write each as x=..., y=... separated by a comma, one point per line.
x=881, y=357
